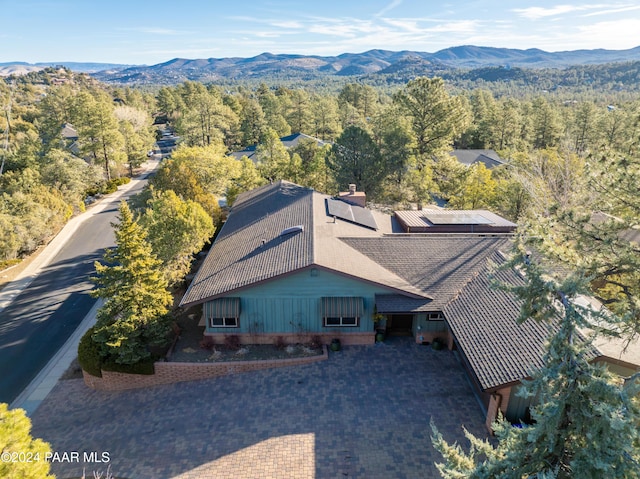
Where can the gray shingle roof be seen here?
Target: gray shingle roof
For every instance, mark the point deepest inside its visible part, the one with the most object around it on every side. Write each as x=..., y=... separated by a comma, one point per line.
x=397, y=303
x=422, y=273
x=249, y=248
x=437, y=266
x=469, y=157
x=483, y=320
x=289, y=141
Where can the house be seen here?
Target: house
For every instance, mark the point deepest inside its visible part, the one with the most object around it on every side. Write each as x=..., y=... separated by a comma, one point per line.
x=291, y=262
x=289, y=141
x=489, y=158
x=69, y=136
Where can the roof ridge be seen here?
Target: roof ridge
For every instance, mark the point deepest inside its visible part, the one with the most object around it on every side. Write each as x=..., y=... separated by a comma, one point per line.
x=313, y=229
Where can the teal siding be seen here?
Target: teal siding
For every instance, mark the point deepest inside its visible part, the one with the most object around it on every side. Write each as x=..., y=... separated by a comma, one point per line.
x=428, y=326
x=518, y=407
x=293, y=304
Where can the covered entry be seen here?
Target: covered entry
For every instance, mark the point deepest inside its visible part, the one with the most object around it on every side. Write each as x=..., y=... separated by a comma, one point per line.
x=400, y=324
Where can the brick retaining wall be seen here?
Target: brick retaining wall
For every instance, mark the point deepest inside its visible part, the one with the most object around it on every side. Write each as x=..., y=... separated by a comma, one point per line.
x=346, y=338
x=169, y=372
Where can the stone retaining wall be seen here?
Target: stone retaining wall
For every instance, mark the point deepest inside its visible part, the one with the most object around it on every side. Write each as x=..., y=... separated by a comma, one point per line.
x=169, y=373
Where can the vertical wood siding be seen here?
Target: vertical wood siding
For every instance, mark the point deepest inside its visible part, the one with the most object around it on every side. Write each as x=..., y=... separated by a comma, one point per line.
x=293, y=304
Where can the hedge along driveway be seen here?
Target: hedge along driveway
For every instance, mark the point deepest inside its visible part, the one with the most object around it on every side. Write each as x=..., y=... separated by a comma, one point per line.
x=364, y=412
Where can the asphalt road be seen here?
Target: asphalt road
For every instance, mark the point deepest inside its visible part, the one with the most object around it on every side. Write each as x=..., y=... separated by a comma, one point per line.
x=42, y=317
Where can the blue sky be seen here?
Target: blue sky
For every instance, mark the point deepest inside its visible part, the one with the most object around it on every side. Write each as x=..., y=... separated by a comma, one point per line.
x=148, y=32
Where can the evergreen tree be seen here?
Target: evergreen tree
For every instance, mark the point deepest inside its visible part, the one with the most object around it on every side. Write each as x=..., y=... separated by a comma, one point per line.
x=356, y=159
x=98, y=132
x=436, y=117
x=273, y=158
x=136, y=300
x=15, y=438
x=585, y=424
x=597, y=233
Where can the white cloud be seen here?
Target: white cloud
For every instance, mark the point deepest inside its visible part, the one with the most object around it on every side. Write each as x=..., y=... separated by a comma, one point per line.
x=408, y=25
x=461, y=26
x=536, y=13
x=614, y=9
x=348, y=28
x=388, y=8
x=292, y=25
x=612, y=34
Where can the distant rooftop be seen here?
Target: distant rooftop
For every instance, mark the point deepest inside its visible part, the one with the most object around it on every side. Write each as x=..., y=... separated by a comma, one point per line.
x=470, y=157
x=289, y=141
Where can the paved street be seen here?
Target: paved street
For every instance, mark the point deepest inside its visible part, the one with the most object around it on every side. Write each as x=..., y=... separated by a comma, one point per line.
x=363, y=413
x=43, y=309
x=41, y=317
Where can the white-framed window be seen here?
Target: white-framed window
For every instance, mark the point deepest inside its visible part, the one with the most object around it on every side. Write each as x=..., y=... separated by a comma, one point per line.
x=341, y=321
x=223, y=322
x=223, y=312
x=435, y=317
x=341, y=311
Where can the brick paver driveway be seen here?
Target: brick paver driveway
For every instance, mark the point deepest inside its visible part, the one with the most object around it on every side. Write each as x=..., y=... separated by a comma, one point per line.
x=363, y=413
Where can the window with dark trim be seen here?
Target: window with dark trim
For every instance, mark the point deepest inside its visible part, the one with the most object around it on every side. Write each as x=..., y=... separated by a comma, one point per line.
x=435, y=317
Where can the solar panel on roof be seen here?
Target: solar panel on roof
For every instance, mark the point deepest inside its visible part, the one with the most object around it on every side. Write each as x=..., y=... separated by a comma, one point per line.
x=457, y=219
x=352, y=213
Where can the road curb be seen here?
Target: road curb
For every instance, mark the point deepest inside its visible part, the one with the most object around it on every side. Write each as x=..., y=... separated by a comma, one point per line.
x=17, y=286
x=38, y=389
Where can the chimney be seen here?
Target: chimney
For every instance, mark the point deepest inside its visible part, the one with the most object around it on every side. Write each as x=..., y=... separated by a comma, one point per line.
x=354, y=197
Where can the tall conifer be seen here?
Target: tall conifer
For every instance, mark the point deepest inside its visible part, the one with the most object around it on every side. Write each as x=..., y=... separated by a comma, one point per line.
x=136, y=299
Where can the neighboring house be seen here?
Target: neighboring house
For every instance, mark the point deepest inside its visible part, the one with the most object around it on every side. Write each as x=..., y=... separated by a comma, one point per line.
x=470, y=157
x=292, y=262
x=289, y=141
x=70, y=138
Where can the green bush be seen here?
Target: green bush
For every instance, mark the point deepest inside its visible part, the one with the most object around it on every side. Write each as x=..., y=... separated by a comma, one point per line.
x=108, y=186
x=123, y=180
x=89, y=355
x=143, y=367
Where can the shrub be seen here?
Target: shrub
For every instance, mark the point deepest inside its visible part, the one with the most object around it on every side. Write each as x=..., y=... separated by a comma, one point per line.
x=143, y=367
x=123, y=180
x=89, y=354
x=315, y=342
x=232, y=342
x=280, y=343
x=207, y=343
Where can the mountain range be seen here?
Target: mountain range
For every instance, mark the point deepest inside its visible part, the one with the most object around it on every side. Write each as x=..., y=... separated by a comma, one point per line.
x=20, y=68
x=356, y=64
x=346, y=64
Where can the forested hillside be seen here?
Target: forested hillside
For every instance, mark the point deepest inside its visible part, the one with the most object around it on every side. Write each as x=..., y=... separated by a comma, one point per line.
x=394, y=144
x=64, y=140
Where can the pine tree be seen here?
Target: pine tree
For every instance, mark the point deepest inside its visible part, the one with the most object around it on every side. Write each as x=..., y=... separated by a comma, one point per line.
x=585, y=424
x=598, y=234
x=436, y=117
x=136, y=299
